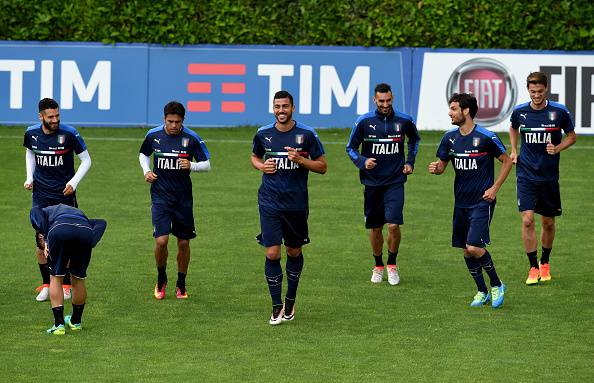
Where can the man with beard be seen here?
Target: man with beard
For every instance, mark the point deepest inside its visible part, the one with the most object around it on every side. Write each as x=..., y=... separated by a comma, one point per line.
x=383, y=169
x=540, y=123
x=285, y=151
x=50, y=173
x=472, y=150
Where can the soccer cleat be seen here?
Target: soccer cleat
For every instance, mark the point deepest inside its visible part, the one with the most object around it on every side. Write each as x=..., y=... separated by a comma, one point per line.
x=289, y=310
x=179, y=294
x=533, y=276
x=480, y=299
x=67, y=292
x=43, y=293
x=277, y=315
x=160, y=294
x=56, y=330
x=393, y=275
x=72, y=326
x=378, y=274
x=545, y=272
x=497, y=294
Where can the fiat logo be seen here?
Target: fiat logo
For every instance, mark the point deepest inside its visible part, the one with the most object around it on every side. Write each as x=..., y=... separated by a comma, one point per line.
x=492, y=85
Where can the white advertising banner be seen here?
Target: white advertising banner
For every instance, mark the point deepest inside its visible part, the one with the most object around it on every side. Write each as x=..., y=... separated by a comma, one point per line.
x=498, y=80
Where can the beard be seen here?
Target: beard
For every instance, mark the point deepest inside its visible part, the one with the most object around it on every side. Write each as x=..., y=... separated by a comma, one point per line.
x=51, y=127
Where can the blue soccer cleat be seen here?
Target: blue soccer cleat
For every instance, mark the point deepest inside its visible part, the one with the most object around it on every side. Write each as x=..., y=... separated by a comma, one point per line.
x=56, y=330
x=497, y=294
x=480, y=299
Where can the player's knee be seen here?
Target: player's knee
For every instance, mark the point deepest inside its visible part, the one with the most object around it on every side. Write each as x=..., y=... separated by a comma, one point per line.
x=548, y=224
x=528, y=222
x=273, y=253
x=393, y=228
x=162, y=241
x=183, y=244
x=293, y=252
x=473, y=251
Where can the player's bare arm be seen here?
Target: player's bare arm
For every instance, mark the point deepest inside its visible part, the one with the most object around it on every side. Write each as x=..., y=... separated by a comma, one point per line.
x=437, y=167
x=267, y=167
x=569, y=140
x=506, y=165
x=513, y=139
x=317, y=165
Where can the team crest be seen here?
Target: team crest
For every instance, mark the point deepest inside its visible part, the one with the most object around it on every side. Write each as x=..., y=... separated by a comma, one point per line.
x=299, y=139
x=61, y=139
x=397, y=126
x=476, y=141
x=552, y=116
x=185, y=142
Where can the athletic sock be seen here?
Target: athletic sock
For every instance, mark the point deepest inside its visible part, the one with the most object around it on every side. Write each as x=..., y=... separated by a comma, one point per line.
x=294, y=266
x=545, y=255
x=274, y=277
x=378, y=260
x=45, y=273
x=58, y=315
x=161, y=277
x=392, y=257
x=487, y=263
x=67, y=281
x=77, y=311
x=181, y=281
x=532, y=258
x=476, y=271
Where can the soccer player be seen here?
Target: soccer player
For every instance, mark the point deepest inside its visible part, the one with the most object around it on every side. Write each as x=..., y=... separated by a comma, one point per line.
x=540, y=123
x=472, y=149
x=285, y=151
x=383, y=169
x=49, y=163
x=174, y=148
x=67, y=237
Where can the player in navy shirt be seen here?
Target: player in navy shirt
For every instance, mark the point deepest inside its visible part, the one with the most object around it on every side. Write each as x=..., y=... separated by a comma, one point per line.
x=49, y=160
x=540, y=123
x=67, y=237
x=173, y=148
x=383, y=169
x=471, y=149
x=285, y=151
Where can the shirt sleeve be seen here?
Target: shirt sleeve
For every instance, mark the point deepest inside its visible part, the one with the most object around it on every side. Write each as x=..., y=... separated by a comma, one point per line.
x=27, y=140
x=199, y=151
x=352, y=148
x=78, y=144
x=316, y=149
x=567, y=122
x=413, y=143
x=443, y=150
x=257, y=147
x=147, y=146
x=39, y=220
x=515, y=124
x=497, y=146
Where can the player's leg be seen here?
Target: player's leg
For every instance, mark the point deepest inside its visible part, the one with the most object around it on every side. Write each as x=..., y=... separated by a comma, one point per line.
x=527, y=200
x=271, y=238
x=374, y=221
x=296, y=234
x=547, y=236
x=182, y=226
x=43, y=289
x=57, y=261
x=393, y=207
x=183, y=261
x=79, y=298
x=79, y=262
x=548, y=206
x=161, y=218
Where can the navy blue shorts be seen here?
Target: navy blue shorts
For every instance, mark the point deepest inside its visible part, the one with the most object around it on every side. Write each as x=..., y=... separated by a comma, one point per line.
x=41, y=201
x=542, y=197
x=383, y=204
x=70, y=245
x=177, y=220
x=276, y=225
x=471, y=225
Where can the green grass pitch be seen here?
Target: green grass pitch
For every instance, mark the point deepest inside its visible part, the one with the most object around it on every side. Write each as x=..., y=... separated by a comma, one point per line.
x=346, y=329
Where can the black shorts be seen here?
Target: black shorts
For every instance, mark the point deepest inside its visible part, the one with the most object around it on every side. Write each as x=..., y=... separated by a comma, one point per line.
x=471, y=225
x=70, y=245
x=543, y=197
x=383, y=204
x=41, y=201
x=177, y=220
x=276, y=225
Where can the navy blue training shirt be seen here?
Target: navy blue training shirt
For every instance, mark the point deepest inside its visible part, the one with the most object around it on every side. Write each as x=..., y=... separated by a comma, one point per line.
x=286, y=189
x=473, y=159
x=537, y=127
x=172, y=183
x=382, y=137
x=54, y=158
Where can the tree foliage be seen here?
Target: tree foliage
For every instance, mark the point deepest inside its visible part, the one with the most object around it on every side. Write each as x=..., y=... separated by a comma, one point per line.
x=506, y=24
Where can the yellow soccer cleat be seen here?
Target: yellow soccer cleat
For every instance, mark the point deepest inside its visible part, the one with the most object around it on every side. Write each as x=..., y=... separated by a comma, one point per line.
x=533, y=276
x=545, y=272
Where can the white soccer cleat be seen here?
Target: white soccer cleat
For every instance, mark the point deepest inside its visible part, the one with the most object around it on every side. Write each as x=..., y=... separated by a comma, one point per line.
x=277, y=315
x=378, y=274
x=43, y=293
x=67, y=293
x=393, y=275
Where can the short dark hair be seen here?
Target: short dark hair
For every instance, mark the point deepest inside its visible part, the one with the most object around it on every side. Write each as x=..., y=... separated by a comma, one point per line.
x=48, y=103
x=466, y=101
x=383, y=88
x=283, y=94
x=537, y=78
x=174, y=107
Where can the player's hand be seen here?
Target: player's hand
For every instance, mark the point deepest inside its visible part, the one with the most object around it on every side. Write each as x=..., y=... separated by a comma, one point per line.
x=28, y=186
x=269, y=166
x=433, y=167
x=370, y=163
x=407, y=169
x=150, y=177
x=490, y=194
x=294, y=155
x=46, y=250
x=68, y=190
x=551, y=149
x=514, y=157
x=184, y=163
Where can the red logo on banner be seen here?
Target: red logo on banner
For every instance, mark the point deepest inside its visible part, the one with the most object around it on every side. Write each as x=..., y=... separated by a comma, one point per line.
x=226, y=87
x=492, y=85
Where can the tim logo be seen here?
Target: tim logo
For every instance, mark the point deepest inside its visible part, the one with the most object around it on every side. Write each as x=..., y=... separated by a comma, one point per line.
x=492, y=85
x=205, y=88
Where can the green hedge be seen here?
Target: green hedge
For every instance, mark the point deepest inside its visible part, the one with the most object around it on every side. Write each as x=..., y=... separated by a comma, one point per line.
x=508, y=24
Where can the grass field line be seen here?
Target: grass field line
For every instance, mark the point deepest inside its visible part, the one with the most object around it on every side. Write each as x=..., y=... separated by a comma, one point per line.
x=232, y=141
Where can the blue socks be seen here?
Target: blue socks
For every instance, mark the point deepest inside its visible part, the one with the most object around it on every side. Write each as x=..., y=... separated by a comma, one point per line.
x=274, y=277
x=475, y=269
x=294, y=266
x=487, y=264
